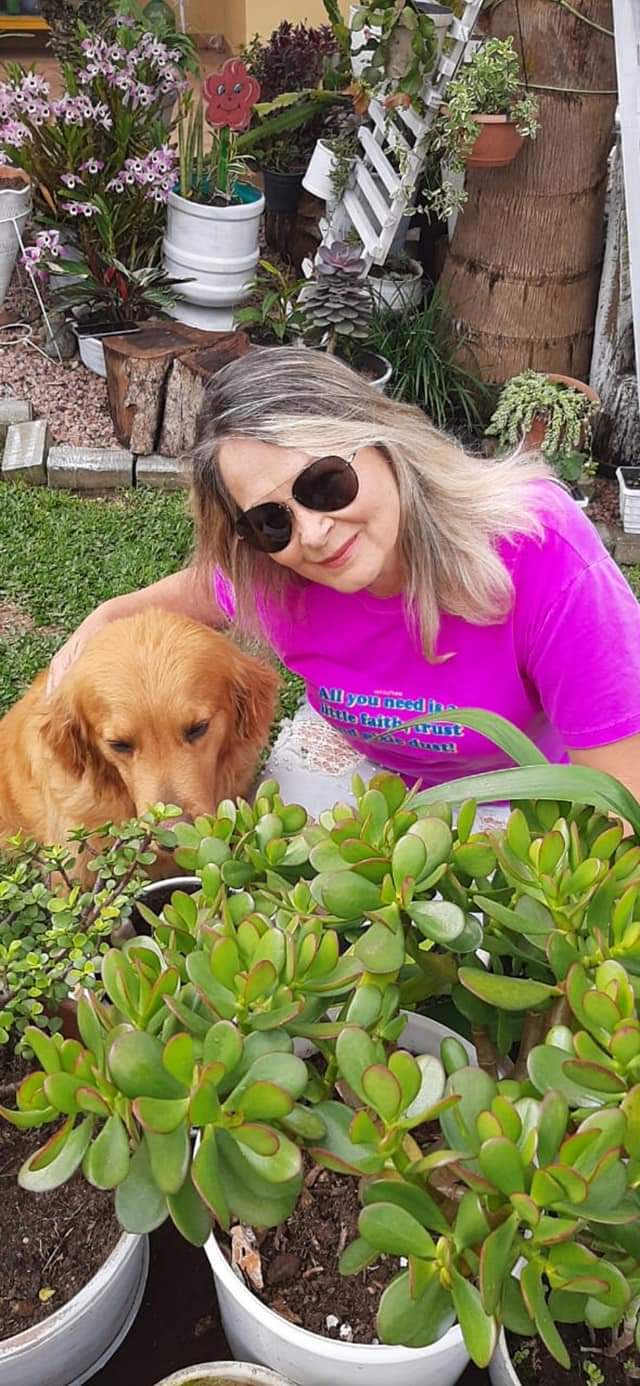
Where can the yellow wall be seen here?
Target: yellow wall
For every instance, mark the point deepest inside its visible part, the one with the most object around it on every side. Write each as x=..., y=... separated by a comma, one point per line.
x=240, y=19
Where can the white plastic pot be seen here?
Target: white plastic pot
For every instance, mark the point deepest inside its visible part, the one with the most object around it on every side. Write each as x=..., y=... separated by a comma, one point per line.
x=398, y=292
x=255, y=1333
x=629, y=500
x=215, y=249
x=15, y=207
x=317, y=179
x=380, y=363
x=73, y=1344
x=92, y=355
x=210, y=1373
x=501, y=1369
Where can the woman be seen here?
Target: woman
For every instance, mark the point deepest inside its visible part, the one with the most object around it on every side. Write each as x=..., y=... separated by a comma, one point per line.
x=402, y=579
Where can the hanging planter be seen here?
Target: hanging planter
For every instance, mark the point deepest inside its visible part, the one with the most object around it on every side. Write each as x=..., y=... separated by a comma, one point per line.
x=328, y=173
x=497, y=144
x=254, y=1330
x=15, y=207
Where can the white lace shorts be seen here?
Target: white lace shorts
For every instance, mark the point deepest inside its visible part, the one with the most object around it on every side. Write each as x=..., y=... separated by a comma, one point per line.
x=314, y=765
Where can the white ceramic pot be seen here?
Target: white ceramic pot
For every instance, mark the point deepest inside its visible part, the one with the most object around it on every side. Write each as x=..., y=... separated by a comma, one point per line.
x=215, y=248
x=92, y=355
x=317, y=179
x=501, y=1369
x=73, y=1344
x=211, y=1373
x=398, y=292
x=384, y=368
x=629, y=500
x=255, y=1332
x=15, y=207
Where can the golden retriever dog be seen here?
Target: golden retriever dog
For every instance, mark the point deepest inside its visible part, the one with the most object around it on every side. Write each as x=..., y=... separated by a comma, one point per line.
x=156, y=709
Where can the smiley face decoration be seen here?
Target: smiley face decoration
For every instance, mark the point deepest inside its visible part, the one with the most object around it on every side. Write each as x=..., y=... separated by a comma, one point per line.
x=230, y=96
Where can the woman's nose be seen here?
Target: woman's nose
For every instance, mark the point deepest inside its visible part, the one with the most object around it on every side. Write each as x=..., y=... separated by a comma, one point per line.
x=312, y=527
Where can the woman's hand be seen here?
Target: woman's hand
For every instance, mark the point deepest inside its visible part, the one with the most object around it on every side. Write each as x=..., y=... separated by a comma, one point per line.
x=68, y=653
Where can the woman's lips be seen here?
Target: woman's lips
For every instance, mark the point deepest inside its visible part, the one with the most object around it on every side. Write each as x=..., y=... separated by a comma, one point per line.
x=342, y=555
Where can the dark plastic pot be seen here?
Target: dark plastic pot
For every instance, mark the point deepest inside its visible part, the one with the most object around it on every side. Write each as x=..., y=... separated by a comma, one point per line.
x=158, y=894
x=282, y=192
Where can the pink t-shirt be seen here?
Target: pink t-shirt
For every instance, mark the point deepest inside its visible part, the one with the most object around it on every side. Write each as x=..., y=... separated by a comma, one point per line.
x=564, y=666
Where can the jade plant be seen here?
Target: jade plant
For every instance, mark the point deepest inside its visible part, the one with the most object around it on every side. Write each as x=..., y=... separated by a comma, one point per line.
x=54, y=928
x=523, y=1214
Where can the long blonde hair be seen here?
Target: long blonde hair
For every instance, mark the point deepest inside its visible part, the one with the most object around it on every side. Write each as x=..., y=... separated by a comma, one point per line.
x=454, y=508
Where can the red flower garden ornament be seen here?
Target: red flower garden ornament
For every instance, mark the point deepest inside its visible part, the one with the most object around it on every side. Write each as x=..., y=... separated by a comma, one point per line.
x=230, y=95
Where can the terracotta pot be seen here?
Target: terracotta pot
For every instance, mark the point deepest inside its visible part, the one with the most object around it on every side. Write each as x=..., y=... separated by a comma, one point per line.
x=534, y=439
x=497, y=144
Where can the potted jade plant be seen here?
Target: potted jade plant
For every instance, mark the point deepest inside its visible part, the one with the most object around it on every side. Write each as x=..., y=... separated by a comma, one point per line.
x=484, y=122
x=213, y=222
x=552, y=413
x=337, y=305
x=61, y=1326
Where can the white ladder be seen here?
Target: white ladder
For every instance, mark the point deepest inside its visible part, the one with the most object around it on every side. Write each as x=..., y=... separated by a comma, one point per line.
x=626, y=23
x=381, y=196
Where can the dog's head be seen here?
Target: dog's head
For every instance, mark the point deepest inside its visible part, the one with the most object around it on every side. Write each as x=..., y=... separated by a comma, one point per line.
x=165, y=710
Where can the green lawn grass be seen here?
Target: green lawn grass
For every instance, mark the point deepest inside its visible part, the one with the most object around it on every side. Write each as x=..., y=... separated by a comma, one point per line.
x=61, y=554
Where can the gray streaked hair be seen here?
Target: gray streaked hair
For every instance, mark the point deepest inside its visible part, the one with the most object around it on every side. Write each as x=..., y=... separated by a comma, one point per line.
x=454, y=508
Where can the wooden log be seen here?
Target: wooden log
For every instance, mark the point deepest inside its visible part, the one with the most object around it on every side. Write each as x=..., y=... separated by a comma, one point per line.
x=187, y=381
x=137, y=368
x=616, y=437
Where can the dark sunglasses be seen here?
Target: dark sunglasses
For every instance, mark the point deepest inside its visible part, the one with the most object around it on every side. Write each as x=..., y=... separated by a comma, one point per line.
x=327, y=484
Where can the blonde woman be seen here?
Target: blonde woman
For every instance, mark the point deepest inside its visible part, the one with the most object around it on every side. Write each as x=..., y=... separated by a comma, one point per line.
x=401, y=578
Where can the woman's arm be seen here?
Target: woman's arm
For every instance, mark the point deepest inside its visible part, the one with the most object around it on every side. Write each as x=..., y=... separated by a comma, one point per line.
x=620, y=759
x=188, y=592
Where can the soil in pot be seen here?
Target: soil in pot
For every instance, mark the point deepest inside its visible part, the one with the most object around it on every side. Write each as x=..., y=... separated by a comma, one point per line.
x=13, y=183
x=52, y=1243
x=534, y=1364
x=631, y=478
x=299, y=1262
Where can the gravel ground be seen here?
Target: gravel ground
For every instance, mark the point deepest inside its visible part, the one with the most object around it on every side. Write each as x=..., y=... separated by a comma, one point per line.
x=73, y=399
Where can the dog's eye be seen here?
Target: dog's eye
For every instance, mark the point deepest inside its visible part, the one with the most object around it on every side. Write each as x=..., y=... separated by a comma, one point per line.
x=123, y=748
x=196, y=731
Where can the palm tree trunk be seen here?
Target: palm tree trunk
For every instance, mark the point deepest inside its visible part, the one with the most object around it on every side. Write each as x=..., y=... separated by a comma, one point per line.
x=523, y=268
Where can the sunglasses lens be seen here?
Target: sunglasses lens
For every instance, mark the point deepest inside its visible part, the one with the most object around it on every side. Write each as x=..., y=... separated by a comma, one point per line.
x=266, y=527
x=327, y=484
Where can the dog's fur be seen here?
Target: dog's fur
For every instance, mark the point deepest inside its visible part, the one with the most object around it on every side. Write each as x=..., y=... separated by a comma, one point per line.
x=147, y=681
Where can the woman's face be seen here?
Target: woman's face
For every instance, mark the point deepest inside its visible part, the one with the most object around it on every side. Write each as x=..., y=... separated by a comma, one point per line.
x=350, y=549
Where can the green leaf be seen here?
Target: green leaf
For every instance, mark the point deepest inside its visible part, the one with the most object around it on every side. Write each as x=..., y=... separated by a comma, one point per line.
x=408, y=1074
x=337, y=1151
x=223, y=1044
x=169, y=1156
x=254, y=1198
x=471, y=1226
x=534, y=1298
x=356, y=1257
x=506, y=993
x=137, y=1069
x=106, y=1160
x=552, y=1127
x=414, y=1322
x=546, y=1069
x=432, y=1087
x=355, y=1052
x=438, y=920
x=264, y=1101
x=45, y=1050
x=207, y=1178
x=139, y=1203
x=412, y=1197
x=477, y=1091
x=60, y=1090
x=395, y=1231
x=382, y=1091
x=160, y=1114
x=347, y=895
x=479, y=1330
x=39, y=1177
x=496, y=1263
x=576, y=784
x=408, y=860
x=381, y=948
x=189, y=1214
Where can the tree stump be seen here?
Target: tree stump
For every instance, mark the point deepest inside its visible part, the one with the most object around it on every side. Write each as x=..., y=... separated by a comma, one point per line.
x=187, y=382
x=617, y=432
x=137, y=369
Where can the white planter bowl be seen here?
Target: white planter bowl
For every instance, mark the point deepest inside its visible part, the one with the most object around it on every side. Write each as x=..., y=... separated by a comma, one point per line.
x=255, y=1332
x=15, y=207
x=73, y=1344
x=501, y=1369
x=240, y=1373
x=398, y=292
x=215, y=248
x=629, y=504
x=92, y=355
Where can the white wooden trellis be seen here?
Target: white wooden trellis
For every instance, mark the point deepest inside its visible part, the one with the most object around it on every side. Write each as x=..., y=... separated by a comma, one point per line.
x=626, y=23
x=381, y=197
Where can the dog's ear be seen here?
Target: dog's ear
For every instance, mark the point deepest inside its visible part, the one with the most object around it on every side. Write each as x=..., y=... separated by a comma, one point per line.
x=255, y=693
x=66, y=732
